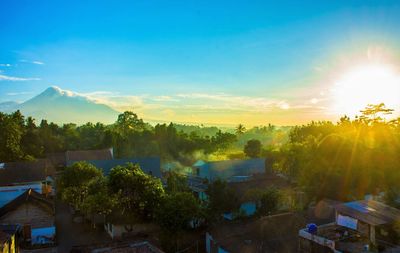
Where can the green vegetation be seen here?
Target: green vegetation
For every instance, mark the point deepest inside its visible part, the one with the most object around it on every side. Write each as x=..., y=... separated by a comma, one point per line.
x=342, y=161
x=253, y=148
x=22, y=139
x=221, y=199
x=346, y=160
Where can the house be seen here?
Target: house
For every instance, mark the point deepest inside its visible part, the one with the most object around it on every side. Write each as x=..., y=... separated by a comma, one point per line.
x=248, y=204
x=35, y=214
x=133, y=247
x=72, y=157
x=358, y=226
x=150, y=165
x=229, y=170
x=9, y=238
x=18, y=177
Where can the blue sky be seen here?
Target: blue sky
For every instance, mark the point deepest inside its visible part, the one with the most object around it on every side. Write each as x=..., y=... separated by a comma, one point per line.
x=194, y=61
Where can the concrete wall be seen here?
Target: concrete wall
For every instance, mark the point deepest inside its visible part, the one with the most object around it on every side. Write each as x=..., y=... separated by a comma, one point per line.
x=117, y=231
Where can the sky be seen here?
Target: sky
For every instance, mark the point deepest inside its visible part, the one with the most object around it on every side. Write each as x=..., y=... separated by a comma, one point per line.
x=210, y=62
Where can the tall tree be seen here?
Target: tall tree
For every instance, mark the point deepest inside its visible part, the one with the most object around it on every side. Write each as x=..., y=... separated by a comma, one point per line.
x=240, y=129
x=11, y=132
x=76, y=181
x=138, y=193
x=253, y=148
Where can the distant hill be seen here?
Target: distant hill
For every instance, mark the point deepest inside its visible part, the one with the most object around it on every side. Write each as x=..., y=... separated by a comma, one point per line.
x=8, y=106
x=60, y=106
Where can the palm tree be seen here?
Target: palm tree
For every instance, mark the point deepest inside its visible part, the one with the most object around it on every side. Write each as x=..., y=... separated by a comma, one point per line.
x=240, y=129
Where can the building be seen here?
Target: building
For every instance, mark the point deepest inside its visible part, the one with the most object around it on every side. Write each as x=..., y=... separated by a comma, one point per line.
x=248, y=202
x=72, y=157
x=9, y=238
x=358, y=225
x=149, y=165
x=18, y=177
x=35, y=214
x=132, y=247
x=229, y=170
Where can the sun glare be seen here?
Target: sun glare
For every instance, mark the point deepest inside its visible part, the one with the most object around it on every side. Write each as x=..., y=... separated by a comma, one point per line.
x=370, y=84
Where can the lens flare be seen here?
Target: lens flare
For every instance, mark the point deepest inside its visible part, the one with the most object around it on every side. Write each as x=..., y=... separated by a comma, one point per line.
x=370, y=84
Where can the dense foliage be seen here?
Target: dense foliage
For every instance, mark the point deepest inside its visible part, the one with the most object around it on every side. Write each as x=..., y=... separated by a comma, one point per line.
x=22, y=139
x=345, y=160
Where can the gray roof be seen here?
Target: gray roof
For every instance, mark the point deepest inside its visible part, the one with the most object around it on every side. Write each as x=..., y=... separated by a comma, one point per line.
x=87, y=155
x=370, y=212
x=149, y=165
x=25, y=172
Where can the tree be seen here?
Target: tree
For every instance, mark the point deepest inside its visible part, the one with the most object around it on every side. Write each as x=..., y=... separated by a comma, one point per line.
x=176, y=214
x=176, y=183
x=98, y=199
x=11, y=132
x=177, y=210
x=76, y=181
x=375, y=113
x=30, y=141
x=240, y=129
x=221, y=199
x=129, y=121
x=223, y=140
x=139, y=194
x=252, y=148
x=269, y=201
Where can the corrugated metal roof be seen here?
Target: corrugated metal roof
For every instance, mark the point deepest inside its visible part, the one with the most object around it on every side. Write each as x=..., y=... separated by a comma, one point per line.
x=370, y=212
x=26, y=172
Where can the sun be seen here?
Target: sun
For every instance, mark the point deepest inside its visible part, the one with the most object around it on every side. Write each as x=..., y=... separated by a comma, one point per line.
x=363, y=85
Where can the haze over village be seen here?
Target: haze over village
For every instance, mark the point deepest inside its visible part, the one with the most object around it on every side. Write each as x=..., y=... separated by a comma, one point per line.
x=213, y=126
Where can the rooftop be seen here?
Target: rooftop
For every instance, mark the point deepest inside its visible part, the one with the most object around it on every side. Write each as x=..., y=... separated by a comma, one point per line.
x=88, y=155
x=25, y=172
x=29, y=196
x=149, y=165
x=370, y=212
x=232, y=164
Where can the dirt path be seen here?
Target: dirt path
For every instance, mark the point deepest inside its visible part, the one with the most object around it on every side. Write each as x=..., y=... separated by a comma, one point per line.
x=71, y=234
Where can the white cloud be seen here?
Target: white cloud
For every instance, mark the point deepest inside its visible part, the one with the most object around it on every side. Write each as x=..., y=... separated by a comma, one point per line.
x=165, y=99
x=15, y=79
x=38, y=62
x=5, y=65
x=245, y=103
x=18, y=93
x=33, y=62
x=283, y=105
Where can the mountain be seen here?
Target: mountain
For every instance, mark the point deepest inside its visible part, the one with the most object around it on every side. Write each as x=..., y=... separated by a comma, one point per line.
x=60, y=106
x=8, y=106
